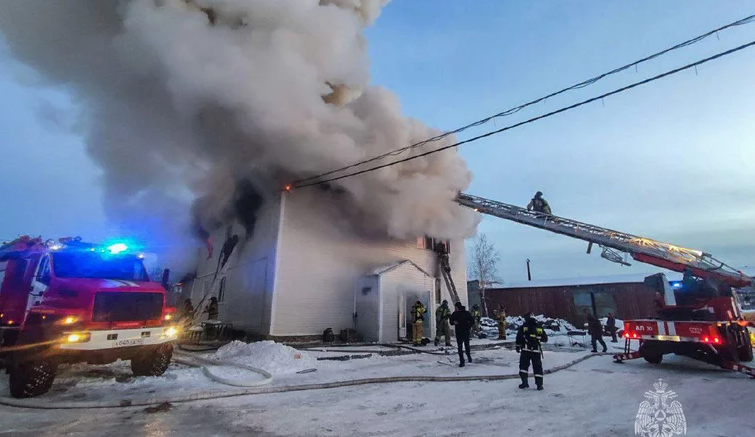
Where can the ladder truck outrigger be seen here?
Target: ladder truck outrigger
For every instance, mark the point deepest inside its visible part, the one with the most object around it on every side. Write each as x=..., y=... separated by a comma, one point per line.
x=699, y=317
x=68, y=301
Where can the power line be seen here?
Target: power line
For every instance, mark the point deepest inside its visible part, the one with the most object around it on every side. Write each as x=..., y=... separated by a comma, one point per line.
x=746, y=20
x=540, y=117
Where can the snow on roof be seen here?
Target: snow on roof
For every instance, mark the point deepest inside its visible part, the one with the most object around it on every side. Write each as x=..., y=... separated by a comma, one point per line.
x=385, y=269
x=595, y=280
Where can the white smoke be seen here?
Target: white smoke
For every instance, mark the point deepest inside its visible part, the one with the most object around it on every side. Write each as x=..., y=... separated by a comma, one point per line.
x=182, y=98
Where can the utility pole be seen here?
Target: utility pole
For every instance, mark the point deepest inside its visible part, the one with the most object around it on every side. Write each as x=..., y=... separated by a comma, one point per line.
x=529, y=273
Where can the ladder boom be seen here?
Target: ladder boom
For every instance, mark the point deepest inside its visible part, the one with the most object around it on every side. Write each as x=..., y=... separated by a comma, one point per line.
x=642, y=249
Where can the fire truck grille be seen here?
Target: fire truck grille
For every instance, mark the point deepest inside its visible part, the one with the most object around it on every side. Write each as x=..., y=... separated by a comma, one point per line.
x=127, y=307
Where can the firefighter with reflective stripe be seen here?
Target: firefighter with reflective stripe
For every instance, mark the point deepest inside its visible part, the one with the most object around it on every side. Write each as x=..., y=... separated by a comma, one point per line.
x=528, y=339
x=501, y=323
x=418, y=315
x=477, y=316
x=442, y=328
x=538, y=204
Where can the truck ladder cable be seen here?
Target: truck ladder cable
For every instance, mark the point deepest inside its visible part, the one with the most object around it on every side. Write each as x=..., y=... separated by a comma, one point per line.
x=642, y=249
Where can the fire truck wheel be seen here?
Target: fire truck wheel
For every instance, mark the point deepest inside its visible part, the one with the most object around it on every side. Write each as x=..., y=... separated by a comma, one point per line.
x=152, y=361
x=32, y=378
x=651, y=354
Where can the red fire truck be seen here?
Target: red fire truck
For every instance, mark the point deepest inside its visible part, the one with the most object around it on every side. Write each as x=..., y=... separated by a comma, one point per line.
x=68, y=301
x=696, y=318
x=699, y=317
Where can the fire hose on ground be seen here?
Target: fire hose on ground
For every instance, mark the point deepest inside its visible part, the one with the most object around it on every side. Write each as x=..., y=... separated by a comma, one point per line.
x=37, y=403
x=205, y=364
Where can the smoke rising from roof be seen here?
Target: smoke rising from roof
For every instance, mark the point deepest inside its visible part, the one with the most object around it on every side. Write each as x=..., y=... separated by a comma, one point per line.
x=183, y=99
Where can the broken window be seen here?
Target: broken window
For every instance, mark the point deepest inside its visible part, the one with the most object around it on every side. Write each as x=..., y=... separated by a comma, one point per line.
x=429, y=243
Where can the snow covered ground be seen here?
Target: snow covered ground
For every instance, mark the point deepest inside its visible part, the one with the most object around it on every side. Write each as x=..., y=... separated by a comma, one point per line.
x=114, y=382
x=593, y=398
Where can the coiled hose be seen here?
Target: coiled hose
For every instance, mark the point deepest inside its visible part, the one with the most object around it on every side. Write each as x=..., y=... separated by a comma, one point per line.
x=205, y=363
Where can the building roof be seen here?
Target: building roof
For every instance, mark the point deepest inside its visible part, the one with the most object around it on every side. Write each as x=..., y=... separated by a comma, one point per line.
x=385, y=269
x=596, y=280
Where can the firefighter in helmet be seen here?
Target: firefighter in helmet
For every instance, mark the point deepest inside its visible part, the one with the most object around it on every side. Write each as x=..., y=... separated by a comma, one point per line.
x=441, y=249
x=442, y=326
x=538, y=204
x=212, y=309
x=528, y=344
x=477, y=316
x=418, y=316
x=501, y=323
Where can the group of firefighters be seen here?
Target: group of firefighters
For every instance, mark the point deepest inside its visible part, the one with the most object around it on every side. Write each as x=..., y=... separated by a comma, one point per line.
x=528, y=338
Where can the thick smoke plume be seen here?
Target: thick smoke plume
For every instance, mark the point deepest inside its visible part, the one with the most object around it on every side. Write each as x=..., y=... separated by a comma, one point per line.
x=184, y=99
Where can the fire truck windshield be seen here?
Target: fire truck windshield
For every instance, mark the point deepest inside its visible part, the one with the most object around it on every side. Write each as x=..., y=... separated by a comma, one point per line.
x=98, y=266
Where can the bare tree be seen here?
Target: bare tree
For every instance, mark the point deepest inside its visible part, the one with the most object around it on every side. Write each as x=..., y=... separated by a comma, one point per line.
x=484, y=266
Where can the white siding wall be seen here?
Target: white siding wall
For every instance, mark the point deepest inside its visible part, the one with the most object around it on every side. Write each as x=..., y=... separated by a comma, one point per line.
x=321, y=259
x=399, y=289
x=251, y=272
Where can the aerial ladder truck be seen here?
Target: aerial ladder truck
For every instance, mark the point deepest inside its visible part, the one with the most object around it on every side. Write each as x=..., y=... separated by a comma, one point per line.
x=700, y=318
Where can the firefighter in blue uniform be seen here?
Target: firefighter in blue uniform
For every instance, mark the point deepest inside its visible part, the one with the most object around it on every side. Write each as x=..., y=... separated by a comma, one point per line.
x=528, y=339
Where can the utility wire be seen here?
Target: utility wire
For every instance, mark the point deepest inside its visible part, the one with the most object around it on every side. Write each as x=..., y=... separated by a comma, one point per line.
x=746, y=20
x=540, y=117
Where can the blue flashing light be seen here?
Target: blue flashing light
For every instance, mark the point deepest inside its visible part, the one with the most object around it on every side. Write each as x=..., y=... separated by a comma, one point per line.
x=676, y=284
x=117, y=248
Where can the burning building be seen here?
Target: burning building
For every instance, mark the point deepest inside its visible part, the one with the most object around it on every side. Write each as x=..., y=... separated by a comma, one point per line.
x=197, y=112
x=308, y=267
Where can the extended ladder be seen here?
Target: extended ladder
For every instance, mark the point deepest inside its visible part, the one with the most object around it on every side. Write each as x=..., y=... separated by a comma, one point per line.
x=641, y=249
x=445, y=271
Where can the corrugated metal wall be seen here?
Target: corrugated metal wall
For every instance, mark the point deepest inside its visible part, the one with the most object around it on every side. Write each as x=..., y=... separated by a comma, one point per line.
x=633, y=300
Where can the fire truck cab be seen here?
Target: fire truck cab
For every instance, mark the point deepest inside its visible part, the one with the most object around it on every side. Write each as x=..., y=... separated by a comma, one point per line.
x=70, y=302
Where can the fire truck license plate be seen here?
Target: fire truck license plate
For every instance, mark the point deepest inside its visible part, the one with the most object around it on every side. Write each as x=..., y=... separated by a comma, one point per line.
x=129, y=342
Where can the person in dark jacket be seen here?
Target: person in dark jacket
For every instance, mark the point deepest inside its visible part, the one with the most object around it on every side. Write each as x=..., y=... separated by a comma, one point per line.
x=611, y=327
x=595, y=329
x=463, y=321
x=528, y=343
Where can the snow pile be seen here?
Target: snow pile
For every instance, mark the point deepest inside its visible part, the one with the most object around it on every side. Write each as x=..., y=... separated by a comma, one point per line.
x=553, y=326
x=276, y=358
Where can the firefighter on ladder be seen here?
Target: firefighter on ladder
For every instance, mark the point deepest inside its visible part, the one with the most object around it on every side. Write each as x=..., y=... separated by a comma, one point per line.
x=418, y=313
x=442, y=250
x=538, y=204
x=528, y=344
x=501, y=323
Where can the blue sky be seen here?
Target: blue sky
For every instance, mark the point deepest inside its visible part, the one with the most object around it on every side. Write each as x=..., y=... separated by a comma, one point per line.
x=674, y=160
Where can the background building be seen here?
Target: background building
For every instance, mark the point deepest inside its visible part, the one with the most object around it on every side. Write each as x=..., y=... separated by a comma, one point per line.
x=626, y=296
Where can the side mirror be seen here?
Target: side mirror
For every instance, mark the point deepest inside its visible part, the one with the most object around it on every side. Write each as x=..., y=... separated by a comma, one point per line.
x=166, y=278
